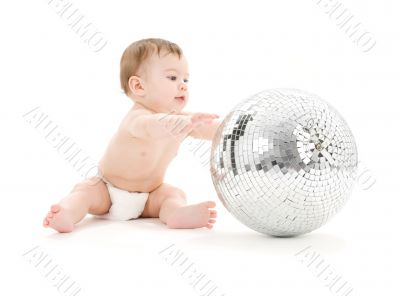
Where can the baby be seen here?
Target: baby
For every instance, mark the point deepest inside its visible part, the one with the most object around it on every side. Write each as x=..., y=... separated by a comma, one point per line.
x=154, y=75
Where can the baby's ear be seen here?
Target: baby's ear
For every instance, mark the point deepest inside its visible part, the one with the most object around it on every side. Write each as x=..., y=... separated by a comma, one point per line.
x=136, y=86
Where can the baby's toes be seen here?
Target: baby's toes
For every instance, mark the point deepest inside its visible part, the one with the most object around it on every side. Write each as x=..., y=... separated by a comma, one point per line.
x=210, y=204
x=210, y=226
x=211, y=221
x=55, y=208
x=213, y=214
x=47, y=220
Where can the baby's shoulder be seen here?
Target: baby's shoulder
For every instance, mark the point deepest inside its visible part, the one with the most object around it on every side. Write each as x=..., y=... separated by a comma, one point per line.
x=135, y=113
x=130, y=117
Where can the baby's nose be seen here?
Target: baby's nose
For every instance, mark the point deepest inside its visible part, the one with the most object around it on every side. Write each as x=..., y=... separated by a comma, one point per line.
x=183, y=87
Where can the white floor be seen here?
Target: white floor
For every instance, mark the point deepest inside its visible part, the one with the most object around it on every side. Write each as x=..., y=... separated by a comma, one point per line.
x=144, y=257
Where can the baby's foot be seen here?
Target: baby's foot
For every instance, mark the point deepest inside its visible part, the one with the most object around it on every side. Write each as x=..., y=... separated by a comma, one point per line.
x=59, y=219
x=193, y=216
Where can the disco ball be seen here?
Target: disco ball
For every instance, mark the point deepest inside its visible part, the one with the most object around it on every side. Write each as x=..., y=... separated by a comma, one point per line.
x=283, y=162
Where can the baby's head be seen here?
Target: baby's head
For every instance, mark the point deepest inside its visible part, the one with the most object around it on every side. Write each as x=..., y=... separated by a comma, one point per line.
x=154, y=73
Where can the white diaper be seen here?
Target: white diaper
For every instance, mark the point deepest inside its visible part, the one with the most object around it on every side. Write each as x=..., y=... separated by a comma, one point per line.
x=125, y=205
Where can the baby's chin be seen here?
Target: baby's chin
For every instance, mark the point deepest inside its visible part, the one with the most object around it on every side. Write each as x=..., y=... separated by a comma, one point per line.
x=176, y=107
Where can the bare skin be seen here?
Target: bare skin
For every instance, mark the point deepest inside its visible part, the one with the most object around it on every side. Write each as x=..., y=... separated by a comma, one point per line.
x=137, y=161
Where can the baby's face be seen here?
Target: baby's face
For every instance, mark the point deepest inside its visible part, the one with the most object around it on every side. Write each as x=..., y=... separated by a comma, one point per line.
x=165, y=83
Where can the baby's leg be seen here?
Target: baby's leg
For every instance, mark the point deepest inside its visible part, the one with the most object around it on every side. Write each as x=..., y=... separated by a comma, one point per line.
x=90, y=196
x=169, y=204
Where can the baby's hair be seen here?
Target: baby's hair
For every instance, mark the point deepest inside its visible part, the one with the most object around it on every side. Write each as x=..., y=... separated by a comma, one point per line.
x=136, y=53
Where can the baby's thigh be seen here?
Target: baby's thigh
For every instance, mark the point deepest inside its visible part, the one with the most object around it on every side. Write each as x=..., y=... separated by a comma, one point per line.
x=95, y=191
x=158, y=196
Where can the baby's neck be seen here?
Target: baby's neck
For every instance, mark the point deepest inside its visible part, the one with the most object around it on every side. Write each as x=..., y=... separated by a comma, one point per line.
x=140, y=106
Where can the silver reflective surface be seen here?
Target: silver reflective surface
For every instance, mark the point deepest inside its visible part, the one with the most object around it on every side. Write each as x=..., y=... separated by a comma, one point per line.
x=283, y=162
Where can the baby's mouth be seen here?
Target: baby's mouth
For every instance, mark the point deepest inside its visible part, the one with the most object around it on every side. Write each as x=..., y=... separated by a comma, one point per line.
x=181, y=98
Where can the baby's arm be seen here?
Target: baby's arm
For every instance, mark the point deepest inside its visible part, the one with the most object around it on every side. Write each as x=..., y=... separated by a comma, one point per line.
x=160, y=125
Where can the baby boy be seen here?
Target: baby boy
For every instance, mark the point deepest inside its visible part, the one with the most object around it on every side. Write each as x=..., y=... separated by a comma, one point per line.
x=154, y=75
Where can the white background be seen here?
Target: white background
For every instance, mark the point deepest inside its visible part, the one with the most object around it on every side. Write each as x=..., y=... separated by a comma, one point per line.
x=235, y=49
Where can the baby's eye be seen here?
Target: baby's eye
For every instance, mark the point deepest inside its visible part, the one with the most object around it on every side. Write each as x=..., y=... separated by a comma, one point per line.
x=173, y=78
x=185, y=80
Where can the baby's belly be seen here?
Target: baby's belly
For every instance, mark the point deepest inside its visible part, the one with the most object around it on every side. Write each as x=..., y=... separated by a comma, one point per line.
x=138, y=185
x=137, y=165
x=138, y=175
